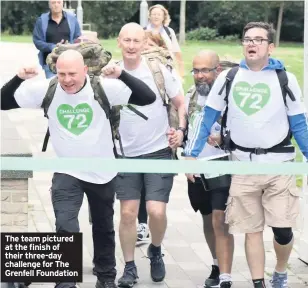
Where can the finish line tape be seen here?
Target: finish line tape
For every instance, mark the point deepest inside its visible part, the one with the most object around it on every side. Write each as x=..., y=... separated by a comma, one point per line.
x=151, y=166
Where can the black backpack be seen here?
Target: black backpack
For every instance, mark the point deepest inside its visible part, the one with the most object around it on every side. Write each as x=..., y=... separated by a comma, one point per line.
x=228, y=144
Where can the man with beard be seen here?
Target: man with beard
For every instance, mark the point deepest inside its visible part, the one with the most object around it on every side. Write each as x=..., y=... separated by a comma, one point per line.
x=212, y=203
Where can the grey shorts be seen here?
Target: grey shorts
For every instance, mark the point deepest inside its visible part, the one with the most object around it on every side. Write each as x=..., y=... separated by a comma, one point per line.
x=157, y=185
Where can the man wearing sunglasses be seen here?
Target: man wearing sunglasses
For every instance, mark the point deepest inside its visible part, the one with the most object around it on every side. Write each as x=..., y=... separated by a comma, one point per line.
x=210, y=202
x=262, y=115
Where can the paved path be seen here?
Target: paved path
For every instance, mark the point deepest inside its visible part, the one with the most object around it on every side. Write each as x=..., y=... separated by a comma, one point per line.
x=187, y=257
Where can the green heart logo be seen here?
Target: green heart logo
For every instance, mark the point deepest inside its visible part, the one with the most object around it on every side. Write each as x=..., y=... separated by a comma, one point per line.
x=251, y=99
x=75, y=120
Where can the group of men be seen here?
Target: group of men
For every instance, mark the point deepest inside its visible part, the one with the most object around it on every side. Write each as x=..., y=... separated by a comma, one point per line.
x=258, y=119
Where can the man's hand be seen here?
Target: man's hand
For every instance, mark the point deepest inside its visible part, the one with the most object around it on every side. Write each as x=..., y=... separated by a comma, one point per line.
x=175, y=137
x=214, y=140
x=112, y=71
x=190, y=177
x=27, y=73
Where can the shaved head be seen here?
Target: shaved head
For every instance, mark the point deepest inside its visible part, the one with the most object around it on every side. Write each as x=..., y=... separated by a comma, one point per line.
x=71, y=71
x=132, y=28
x=70, y=56
x=206, y=69
x=207, y=57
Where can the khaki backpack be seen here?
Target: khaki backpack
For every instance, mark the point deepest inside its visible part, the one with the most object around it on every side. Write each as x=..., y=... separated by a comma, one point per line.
x=154, y=58
x=94, y=55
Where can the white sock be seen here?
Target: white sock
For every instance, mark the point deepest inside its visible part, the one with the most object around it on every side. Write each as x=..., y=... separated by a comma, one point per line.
x=285, y=272
x=225, y=277
x=215, y=262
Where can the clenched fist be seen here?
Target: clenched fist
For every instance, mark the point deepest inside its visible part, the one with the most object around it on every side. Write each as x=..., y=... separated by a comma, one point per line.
x=112, y=71
x=27, y=73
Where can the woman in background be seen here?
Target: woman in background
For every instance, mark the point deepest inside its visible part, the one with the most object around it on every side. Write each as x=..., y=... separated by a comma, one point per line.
x=159, y=20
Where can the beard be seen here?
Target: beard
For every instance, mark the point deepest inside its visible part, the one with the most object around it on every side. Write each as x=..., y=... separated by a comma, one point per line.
x=203, y=88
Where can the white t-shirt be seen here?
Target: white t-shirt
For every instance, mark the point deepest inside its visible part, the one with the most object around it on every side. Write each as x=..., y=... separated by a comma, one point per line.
x=141, y=136
x=195, y=122
x=78, y=125
x=257, y=115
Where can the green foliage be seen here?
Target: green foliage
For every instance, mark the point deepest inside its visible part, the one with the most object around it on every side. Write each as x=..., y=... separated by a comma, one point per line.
x=203, y=33
x=18, y=17
x=107, y=17
x=230, y=38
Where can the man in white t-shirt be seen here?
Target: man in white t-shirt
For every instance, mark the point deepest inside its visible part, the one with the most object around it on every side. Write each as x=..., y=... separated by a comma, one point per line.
x=259, y=121
x=209, y=199
x=79, y=128
x=145, y=139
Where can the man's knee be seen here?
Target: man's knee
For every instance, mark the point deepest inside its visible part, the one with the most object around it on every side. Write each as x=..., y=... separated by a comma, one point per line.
x=129, y=212
x=218, y=220
x=156, y=210
x=66, y=223
x=283, y=236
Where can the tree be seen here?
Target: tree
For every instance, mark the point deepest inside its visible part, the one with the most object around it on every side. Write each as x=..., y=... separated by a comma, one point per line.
x=182, y=21
x=107, y=17
x=279, y=22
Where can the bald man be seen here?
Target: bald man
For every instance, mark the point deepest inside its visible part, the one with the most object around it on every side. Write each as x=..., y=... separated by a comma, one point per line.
x=79, y=128
x=146, y=140
x=51, y=28
x=211, y=202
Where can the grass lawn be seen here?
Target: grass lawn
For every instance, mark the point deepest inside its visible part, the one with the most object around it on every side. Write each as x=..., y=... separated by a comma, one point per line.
x=292, y=54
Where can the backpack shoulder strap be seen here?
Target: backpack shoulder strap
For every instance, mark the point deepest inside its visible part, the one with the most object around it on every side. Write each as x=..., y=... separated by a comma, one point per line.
x=111, y=112
x=168, y=32
x=229, y=79
x=228, y=83
x=49, y=95
x=100, y=95
x=158, y=76
x=283, y=81
x=45, y=106
x=191, y=93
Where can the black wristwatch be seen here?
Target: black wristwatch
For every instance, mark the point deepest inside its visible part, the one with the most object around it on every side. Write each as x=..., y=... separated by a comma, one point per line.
x=182, y=129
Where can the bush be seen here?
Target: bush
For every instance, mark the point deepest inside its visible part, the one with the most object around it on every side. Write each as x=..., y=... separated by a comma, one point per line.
x=203, y=33
x=230, y=38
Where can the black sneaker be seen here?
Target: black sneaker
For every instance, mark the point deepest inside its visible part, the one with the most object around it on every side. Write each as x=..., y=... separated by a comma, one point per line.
x=213, y=279
x=158, y=271
x=129, y=277
x=105, y=284
x=227, y=284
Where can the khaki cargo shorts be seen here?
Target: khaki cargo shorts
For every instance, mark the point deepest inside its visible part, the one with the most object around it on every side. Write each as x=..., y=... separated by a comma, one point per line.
x=258, y=200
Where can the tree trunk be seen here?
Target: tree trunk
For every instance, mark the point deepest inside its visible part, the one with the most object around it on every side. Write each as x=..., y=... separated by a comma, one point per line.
x=182, y=21
x=279, y=22
x=266, y=11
